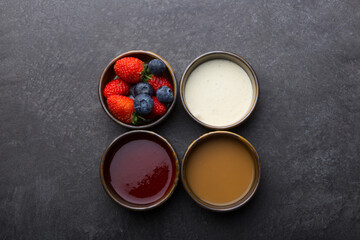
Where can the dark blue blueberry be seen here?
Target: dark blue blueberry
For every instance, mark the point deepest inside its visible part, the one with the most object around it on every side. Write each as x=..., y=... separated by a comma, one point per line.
x=164, y=94
x=143, y=104
x=143, y=88
x=157, y=67
x=132, y=90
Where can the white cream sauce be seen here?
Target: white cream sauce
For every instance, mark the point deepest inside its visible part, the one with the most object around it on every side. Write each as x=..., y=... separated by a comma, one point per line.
x=218, y=92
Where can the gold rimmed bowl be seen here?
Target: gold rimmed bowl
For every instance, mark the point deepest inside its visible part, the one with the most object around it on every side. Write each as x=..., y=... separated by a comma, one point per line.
x=109, y=75
x=136, y=187
x=223, y=56
x=208, y=180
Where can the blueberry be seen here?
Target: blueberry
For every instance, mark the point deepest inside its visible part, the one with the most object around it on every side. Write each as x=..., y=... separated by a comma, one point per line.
x=164, y=94
x=143, y=88
x=157, y=67
x=132, y=90
x=143, y=104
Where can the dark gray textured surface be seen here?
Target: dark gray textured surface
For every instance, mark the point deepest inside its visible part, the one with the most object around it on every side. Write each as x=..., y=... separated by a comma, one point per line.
x=306, y=127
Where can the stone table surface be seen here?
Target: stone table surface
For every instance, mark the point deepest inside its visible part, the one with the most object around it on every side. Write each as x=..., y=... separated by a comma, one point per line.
x=305, y=128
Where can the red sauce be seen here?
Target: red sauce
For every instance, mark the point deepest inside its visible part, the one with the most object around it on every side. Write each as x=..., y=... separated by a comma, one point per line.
x=142, y=170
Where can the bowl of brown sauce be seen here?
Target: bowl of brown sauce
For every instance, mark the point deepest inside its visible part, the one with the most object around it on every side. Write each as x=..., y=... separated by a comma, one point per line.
x=221, y=171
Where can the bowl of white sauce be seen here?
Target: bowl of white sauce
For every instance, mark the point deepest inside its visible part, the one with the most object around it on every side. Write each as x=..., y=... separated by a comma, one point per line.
x=219, y=90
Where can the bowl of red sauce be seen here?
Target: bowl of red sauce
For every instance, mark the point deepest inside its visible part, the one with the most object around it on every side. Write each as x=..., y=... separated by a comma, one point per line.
x=139, y=170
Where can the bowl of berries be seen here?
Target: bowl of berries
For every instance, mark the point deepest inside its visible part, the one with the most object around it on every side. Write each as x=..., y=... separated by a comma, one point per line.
x=138, y=89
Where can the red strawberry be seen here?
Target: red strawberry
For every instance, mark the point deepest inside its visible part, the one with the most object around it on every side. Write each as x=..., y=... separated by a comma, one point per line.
x=158, y=110
x=116, y=87
x=129, y=69
x=158, y=81
x=121, y=107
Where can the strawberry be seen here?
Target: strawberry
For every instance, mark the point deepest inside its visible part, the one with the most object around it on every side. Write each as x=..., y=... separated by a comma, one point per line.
x=116, y=87
x=158, y=110
x=121, y=107
x=158, y=81
x=129, y=69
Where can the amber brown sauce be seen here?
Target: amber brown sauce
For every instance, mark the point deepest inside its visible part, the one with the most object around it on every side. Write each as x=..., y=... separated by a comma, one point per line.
x=220, y=170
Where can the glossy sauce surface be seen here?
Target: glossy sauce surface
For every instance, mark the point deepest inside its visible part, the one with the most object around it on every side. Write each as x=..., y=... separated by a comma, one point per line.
x=142, y=171
x=220, y=170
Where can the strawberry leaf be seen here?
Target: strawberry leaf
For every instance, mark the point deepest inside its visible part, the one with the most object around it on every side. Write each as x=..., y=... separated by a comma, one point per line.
x=137, y=119
x=146, y=74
